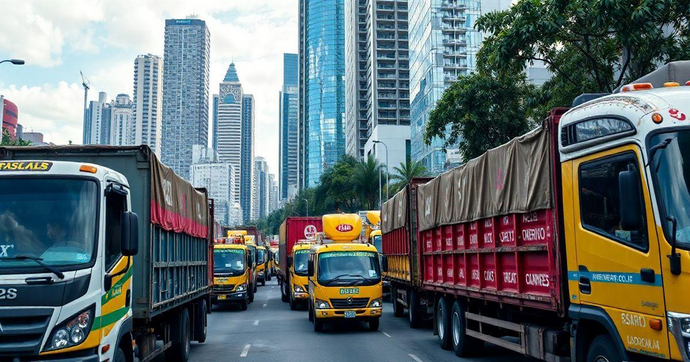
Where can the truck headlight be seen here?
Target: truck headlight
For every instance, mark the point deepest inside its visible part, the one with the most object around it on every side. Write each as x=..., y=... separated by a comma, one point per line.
x=299, y=289
x=71, y=332
x=321, y=304
x=376, y=303
x=241, y=287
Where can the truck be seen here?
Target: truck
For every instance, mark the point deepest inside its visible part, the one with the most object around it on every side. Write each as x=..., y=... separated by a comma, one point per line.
x=232, y=272
x=298, y=285
x=344, y=275
x=572, y=239
x=291, y=231
x=117, y=246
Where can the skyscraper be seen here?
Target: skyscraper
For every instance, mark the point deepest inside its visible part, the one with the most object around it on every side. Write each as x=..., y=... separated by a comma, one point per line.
x=148, y=102
x=261, y=189
x=321, y=87
x=272, y=193
x=444, y=45
x=227, y=135
x=216, y=177
x=214, y=110
x=247, y=156
x=287, y=171
x=185, y=91
x=377, y=84
x=97, y=127
x=121, y=121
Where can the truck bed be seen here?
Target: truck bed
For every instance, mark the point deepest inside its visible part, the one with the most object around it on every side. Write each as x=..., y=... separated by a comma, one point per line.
x=171, y=267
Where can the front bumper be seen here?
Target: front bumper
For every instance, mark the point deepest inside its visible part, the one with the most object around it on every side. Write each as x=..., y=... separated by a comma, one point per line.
x=229, y=296
x=90, y=355
x=360, y=313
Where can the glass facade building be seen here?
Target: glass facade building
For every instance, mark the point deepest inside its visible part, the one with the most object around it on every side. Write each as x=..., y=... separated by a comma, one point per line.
x=321, y=87
x=287, y=172
x=443, y=46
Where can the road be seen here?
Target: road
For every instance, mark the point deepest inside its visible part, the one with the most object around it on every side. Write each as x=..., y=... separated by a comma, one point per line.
x=270, y=331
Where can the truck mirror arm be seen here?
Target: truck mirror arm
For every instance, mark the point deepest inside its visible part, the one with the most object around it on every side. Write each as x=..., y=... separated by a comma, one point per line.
x=674, y=258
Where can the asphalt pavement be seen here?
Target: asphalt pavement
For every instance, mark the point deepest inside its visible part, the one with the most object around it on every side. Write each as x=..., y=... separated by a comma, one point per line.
x=269, y=331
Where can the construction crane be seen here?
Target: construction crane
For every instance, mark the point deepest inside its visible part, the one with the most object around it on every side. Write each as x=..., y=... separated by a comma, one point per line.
x=87, y=85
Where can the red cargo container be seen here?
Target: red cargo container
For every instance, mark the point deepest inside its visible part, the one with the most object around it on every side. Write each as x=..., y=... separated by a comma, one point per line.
x=292, y=230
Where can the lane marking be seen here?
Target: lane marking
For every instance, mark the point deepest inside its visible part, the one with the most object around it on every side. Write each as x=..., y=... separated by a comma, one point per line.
x=415, y=357
x=387, y=335
x=246, y=350
x=256, y=323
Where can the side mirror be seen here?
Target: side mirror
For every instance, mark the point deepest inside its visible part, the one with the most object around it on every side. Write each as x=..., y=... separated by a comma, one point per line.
x=384, y=263
x=289, y=261
x=310, y=267
x=630, y=203
x=130, y=234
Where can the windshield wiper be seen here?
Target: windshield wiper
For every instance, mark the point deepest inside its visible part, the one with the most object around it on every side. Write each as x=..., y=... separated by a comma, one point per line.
x=38, y=261
x=653, y=150
x=346, y=275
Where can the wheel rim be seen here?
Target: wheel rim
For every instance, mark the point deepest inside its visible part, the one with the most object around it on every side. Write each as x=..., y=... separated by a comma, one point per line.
x=441, y=318
x=456, y=328
x=601, y=359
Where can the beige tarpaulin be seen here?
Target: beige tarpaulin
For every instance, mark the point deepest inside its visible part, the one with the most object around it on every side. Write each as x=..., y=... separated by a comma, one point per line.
x=400, y=208
x=387, y=216
x=512, y=178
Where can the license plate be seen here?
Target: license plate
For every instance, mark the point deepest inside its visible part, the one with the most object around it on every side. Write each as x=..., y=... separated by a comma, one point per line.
x=350, y=314
x=222, y=297
x=349, y=291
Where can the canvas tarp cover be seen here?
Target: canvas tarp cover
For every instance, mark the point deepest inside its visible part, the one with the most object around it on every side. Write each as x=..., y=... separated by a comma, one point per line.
x=175, y=204
x=388, y=215
x=400, y=208
x=512, y=178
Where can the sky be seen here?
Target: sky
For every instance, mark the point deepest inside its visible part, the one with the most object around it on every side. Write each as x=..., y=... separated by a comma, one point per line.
x=58, y=38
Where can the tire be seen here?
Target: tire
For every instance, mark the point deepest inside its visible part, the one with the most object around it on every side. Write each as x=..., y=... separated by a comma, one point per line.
x=201, y=327
x=256, y=287
x=416, y=312
x=119, y=355
x=603, y=349
x=398, y=308
x=318, y=325
x=268, y=277
x=250, y=294
x=293, y=303
x=374, y=324
x=263, y=283
x=243, y=305
x=443, y=323
x=284, y=297
x=463, y=345
x=180, y=338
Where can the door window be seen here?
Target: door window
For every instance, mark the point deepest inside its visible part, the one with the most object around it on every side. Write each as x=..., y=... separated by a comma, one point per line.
x=116, y=204
x=600, y=199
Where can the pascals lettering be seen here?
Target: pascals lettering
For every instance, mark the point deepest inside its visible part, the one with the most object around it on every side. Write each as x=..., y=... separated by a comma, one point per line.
x=510, y=277
x=449, y=241
x=474, y=240
x=489, y=238
x=539, y=280
x=633, y=320
x=507, y=236
x=475, y=274
x=643, y=342
x=489, y=275
x=461, y=274
x=534, y=234
x=530, y=217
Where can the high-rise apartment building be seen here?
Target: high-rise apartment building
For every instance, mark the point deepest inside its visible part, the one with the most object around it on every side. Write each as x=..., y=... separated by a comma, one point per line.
x=261, y=189
x=121, y=121
x=148, y=102
x=443, y=46
x=272, y=193
x=321, y=87
x=185, y=91
x=287, y=168
x=97, y=130
x=247, y=195
x=214, y=112
x=216, y=177
x=227, y=135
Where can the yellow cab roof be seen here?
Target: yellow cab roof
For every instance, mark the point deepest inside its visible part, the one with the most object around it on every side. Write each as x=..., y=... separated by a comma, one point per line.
x=345, y=247
x=229, y=246
x=376, y=232
x=302, y=246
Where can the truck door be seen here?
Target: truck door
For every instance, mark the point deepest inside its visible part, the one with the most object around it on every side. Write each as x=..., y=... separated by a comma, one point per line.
x=618, y=271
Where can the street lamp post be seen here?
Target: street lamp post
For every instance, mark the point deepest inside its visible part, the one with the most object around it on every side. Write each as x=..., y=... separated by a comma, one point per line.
x=13, y=61
x=387, y=170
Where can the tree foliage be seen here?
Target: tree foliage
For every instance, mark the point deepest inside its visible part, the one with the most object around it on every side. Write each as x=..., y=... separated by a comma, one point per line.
x=8, y=140
x=404, y=173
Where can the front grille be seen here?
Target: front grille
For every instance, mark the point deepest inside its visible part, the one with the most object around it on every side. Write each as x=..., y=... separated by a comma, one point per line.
x=225, y=288
x=22, y=330
x=349, y=304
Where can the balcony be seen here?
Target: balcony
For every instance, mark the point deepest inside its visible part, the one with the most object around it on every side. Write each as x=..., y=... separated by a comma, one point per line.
x=452, y=5
x=386, y=95
x=454, y=41
x=385, y=7
x=385, y=85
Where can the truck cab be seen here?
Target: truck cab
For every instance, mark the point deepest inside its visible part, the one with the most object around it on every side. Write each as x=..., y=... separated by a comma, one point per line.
x=232, y=267
x=344, y=275
x=298, y=262
x=262, y=269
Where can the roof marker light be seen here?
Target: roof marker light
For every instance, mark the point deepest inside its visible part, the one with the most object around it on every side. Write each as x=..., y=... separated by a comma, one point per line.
x=87, y=168
x=636, y=86
x=657, y=118
x=671, y=84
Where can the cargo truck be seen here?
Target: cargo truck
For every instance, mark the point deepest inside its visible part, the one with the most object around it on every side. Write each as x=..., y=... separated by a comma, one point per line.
x=298, y=278
x=115, y=244
x=292, y=230
x=573, y=238
x=344, y=275
x=232, y=270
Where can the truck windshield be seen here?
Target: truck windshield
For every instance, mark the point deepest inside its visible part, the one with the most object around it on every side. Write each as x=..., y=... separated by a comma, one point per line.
x=261, y=256
x=228, y=261
x=301, y=262
x=51, y=219
x=348, y=268
x=672, y=183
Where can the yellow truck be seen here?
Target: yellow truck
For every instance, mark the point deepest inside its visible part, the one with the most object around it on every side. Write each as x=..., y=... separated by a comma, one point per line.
x=232, y=269
x=298, y=262
x=261, y=265
x=344, y=275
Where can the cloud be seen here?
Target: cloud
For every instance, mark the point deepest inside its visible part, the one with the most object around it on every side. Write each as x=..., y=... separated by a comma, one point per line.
x=55, y=111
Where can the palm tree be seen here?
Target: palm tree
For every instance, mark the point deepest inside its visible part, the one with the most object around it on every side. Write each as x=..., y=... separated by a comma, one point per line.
x=366, y=181
x=406, y=172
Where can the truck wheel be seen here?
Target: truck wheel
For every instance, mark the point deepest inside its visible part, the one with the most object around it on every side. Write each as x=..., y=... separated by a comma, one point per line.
x=268, y=277
x=443, y=323
x=119, y=356
x=603, y=349
x=250, y=294
x=463, y=345
x=293, y=303
x=181, y=331
x=415, y=310
x=243, y=305
x=256, y=287
x=202, y=323
x=284, y=297
x=398, y=309
x=263, y=283
x=318, y=325
x=374, y=325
